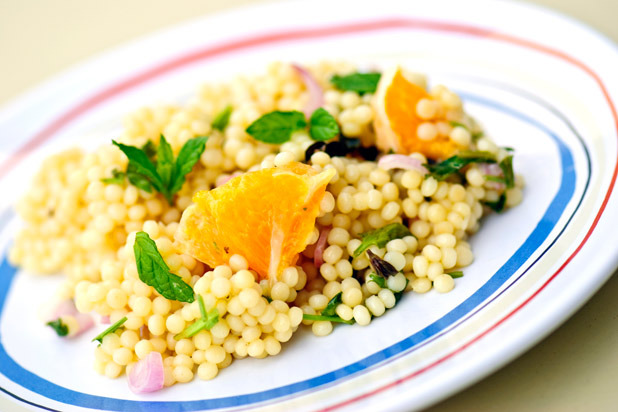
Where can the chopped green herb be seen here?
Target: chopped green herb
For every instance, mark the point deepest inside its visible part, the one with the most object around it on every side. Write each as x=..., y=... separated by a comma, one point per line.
x=277, y=127
x=381, y=237
x=498, y=205
x=154, y=272
x=109, y=330
x=331, y=307
x=165, y=175
x=506, y=165
x=116, y=179
x=378, y=279
x=150, y=149
x=476, y=135
x=328, y=318
x=456, y=274
x=357, y=82
x=206, y=322
x=60, y=328
x=508, y=149
x=497, y=179
x=442, y=170
x=453, y=123
x=322, y=125
x=381, y=266
x=222, y=118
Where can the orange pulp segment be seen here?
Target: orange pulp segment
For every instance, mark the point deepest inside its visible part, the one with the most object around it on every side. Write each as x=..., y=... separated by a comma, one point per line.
x=267, y=216
x=396, y=121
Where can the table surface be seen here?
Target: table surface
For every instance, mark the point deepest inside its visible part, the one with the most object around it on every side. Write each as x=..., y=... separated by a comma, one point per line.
x=571, y=370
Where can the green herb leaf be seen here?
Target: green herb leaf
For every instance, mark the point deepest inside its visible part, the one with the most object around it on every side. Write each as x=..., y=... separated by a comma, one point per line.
x=142, y=165
x=150, y=149
x=453, y=123
x=322, y=125
x=277, y=127
x=165, y=164
x=330, y=309
x=116, y=179
x=154, y=272
x=357, y=82
x=206, y=322
x=381, y=237
x=442, y=170
x=508, y=149
x=456, y=274
x=378, y=279
x=222, y=118
x=498, y=205
x=60, y=328
x=109, y=330
x=497, y=179
x=506, y=165
x=328, y=318
x=187, y=158
x=381, y=266
x=138, y=180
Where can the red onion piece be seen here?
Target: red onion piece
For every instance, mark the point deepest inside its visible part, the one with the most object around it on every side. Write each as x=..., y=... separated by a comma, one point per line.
x=147, y=375
x=316, y=94
x=105, y=320
x=492, y=169
x=67, y=308
x=221, y=180
x=398, y=161
x=84, y=321
x=320, y=245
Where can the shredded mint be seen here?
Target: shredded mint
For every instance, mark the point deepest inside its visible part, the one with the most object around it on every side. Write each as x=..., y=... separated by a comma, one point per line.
x=456, y=274
x=379, y=280
x=222, y=118
x=498, y=205
x=154, y=272
x=357, y=82
x=164, y=174
x=277, y=127
x=113, y=328
x=322, y=125
x=506, y=165
x=150, y=149
x=442, y=170
x=206, y=322
x=331, y=307
x=336, y=319
x=117, y=178
x=59, y=326
x=381, y=237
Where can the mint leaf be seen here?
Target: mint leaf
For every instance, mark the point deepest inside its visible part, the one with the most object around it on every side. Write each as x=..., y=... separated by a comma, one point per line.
x=206, y=322
x=506, y=165
x=331, y=307
x=109, y=330
x=138, y=180
x=150, y=149
x=442, y=170
x=141, y=164
x=322, y=125
x=116, y=179
x=498, y=205
x=60, y=328
x=277, y=127
x=222, y=118
x=357, y=82
x=456, y=274
x=154, y=272
x=187, y=158
x=165, y=165
x=327, y=318
x=381, y=237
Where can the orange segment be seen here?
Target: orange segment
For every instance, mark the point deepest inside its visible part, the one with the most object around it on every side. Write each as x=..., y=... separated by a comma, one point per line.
x=267, y=216
x=396, y=121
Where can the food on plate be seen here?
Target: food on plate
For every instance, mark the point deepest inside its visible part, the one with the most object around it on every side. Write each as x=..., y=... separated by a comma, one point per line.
x=211, y=231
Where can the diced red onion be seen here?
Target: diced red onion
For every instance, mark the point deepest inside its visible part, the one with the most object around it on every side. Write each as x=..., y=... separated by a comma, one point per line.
x=398, y=161
x=491, y=169
x=85, y=322
x=67, y=308
x=105, y=320
x=223, y=179
x=320, y=245
x=316, y=94
x=147, y=375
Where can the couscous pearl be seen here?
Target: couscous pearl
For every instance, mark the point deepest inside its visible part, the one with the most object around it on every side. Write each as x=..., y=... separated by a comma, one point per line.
x=143, y=348
x=322, y=328
x=443, y=283
x=421, y=285
x=396, y=259
x=361, y=315
x=207, y=371
x=352, y=296
x=397, y=282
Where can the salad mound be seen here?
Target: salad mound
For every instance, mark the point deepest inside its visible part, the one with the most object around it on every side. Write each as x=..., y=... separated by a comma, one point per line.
x=315, y=195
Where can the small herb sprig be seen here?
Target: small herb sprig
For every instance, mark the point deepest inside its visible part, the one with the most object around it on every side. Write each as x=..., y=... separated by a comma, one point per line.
x=441, y=171
x=165, y=174
x=222, y=118
x=153, y=271
x=277, y=127
x=113, y=328
x=380, y=237
x=329, y=313
x=357, y=82
x=60, y=327
x=206, y=322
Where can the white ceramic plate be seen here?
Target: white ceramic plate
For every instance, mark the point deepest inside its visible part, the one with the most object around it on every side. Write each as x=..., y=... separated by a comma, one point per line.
x=547, y=93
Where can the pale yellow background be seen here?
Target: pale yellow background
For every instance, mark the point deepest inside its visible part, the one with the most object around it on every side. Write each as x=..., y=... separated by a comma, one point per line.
x=574, y=369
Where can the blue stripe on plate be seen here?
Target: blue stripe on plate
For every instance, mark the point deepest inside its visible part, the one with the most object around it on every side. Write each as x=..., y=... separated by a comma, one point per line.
x=35, y=383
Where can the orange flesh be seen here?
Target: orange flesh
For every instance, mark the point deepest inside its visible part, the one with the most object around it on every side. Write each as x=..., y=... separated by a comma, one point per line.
x=266, y=216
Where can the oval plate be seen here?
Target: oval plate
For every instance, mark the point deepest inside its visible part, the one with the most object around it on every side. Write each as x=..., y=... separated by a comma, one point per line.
x=547, y=94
